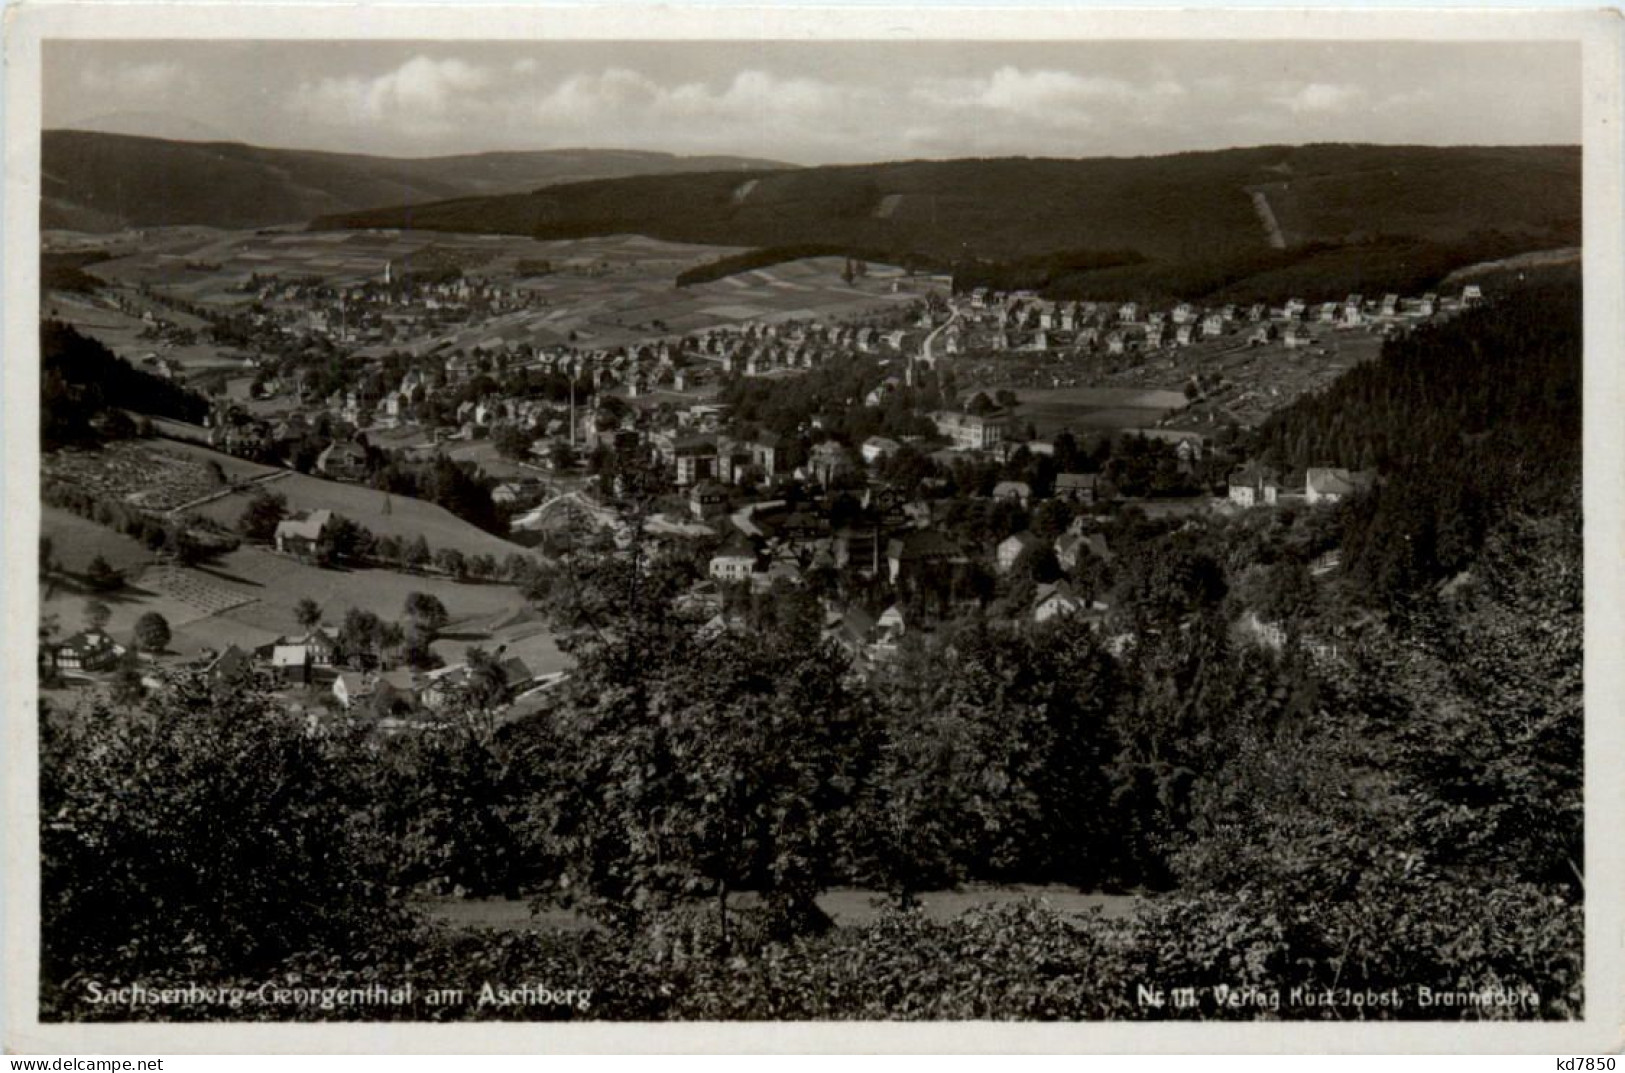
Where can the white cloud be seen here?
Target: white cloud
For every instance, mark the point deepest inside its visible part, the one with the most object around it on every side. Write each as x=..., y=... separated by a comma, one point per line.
x=625, y=96
x=1035, y=93
x=1323, y=97
x=1025, y=92
x=418, y=92
x=829, y=102
x=1042, y=111
x=518, y=102
x=148, y=80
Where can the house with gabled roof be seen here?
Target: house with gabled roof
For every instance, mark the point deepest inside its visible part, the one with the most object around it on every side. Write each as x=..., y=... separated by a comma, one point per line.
x=706, y=499
x=301, y=536
x=734, y=561
x=1014, y=491
x=853, y=630
x=1077, y=487
x=1254, y=485
x=1057, y=600
x=440, y=687
x=1330, y=485
x=89, y=650
x=1012, y=548
x=1072, y=545
x=918, y=548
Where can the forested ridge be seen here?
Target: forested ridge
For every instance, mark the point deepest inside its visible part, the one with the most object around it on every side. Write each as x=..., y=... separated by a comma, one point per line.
x=82, y=381
x=1466, y=422
x=1170, y=210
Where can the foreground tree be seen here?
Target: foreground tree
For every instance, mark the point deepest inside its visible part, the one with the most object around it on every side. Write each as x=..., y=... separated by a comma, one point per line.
x=208, y=832
x=262, y=514
x=101, y=577
x=97, y=615
x=308, y=613
x=427, y=613
x=152, y=632
x=693, y=764
x=720, y=766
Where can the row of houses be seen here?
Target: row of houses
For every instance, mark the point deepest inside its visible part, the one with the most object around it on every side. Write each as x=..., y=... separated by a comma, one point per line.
x=1255, y=485
x=311, y=659
x=999, y=322
x=897, y=546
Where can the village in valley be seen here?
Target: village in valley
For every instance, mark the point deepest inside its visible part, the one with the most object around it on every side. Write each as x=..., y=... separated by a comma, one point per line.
x=1056, y=529
x=397, y=432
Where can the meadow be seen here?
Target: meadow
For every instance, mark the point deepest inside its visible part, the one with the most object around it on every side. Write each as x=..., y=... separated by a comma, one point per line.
x=383, y=513
x=1094, y=408
x=602, y=291
x=247, y=597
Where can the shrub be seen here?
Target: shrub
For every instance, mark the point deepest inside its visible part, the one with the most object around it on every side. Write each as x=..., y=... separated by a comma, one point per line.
x=210, y=832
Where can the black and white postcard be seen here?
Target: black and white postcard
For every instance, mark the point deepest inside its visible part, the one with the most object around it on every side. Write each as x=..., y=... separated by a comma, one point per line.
x=602, y=527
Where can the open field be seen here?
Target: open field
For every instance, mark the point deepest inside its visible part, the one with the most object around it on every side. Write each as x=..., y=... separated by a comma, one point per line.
x=235, y=469
x=1264, y=379
x=1094, y=408
x=384, y=514
x=75, y=541
x=845, y=907
x=1096, y=392
x=121, y=332
x=484, y=614
x=159, y=475
x=247, y=598
x=600, y=292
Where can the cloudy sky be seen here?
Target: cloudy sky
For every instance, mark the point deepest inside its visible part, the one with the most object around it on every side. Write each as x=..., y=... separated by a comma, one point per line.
x=823, y=102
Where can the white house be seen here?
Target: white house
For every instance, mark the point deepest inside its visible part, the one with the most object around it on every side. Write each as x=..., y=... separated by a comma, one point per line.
x=1011, y=548
x=1015, y=491
x=1056, y=601
x=877, y=447
x=302, y=536
x=890, y=627
x=1328, y=485
x=734, y=561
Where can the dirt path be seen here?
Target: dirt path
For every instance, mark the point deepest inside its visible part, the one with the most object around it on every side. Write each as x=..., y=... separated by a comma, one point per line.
x=264, y=478
x=1272, y=227
x=845, y=906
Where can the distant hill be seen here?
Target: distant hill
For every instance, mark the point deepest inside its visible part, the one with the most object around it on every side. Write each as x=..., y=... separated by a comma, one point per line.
x=97, y=181
x=1238, y=213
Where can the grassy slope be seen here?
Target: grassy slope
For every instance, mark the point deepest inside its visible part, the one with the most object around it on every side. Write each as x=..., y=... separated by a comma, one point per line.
x=272, y=584
x=75, y=541
x=406, y=517
x=275, y=583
